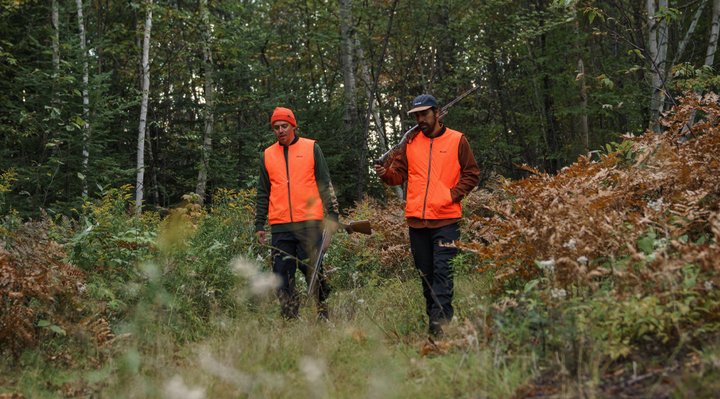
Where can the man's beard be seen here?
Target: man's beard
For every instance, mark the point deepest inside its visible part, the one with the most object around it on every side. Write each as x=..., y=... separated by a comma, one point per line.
x=426, y=129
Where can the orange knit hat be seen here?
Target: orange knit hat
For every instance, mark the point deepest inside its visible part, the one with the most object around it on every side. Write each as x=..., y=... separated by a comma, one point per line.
x=283, y=114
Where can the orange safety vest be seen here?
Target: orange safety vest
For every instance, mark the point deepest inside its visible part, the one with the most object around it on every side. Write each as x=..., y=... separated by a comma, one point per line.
x=295, y=198
x=433, y=169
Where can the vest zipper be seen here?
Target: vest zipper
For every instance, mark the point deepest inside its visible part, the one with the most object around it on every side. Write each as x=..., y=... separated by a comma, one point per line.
x=287, y=176
x=427, y=185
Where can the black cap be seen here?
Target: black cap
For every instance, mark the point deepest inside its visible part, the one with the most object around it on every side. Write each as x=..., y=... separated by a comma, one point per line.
x=423, y=102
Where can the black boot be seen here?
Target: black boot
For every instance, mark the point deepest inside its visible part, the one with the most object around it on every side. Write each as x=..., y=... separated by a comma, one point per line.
x=436, y=328
x=322, y=312
x=289, y=307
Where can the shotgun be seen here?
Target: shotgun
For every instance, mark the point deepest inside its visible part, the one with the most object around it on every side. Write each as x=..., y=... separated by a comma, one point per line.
x=388, y=156
x=361, y=226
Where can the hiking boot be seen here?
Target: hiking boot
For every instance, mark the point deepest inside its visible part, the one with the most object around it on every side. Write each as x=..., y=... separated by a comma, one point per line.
x=289, y=308
x=322, y=312
x=436, y=327
x=435, y=330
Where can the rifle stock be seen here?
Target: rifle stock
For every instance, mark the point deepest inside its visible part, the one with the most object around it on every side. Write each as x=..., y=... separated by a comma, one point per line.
x=361, y=226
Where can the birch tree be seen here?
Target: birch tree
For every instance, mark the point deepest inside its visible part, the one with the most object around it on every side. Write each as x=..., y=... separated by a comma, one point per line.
x=143, y=108
x=693, y=24
x=85, y=99
x=209, y=94
x=657, y=53
x=55, y=17
x=714, y=30
x=709, y=56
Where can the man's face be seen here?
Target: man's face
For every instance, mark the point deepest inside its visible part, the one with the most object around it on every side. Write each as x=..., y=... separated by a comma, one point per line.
x=426, y=120
x=284, y=132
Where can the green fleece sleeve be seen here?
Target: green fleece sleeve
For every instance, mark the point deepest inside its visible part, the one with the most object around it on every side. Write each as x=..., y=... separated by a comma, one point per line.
x=262, y=198
x=327, y=192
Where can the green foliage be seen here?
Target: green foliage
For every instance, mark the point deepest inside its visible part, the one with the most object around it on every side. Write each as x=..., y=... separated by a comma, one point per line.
x=359, y=260
x=6, y=181
x=109, y=243
x=689, y=77
x=197, y=253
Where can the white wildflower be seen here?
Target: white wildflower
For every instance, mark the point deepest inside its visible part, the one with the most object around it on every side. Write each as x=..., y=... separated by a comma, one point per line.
x=224, y=372
x=176, y=389
x=313, y=369
x=708, y=285
x=583, y=260
x=558, y=293
x=264, y=283
x=656, y=205
x=547, y=265
x=360, y=301
x=572, y=244
x=151, y=271
x=80, y=287
x=243, y=267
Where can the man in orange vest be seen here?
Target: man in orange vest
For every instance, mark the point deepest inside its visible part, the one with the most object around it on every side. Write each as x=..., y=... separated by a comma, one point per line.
x=294, y=195
x=440, y=170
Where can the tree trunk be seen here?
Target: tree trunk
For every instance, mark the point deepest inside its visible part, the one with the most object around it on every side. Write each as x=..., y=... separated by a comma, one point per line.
x=139, y=182
x=584, y=129
x=209, y=94
x=446, y=52
x=552, y=139
x=657, y=51
x=350, y=117
x=55, y=38
x=371, y=84
x=709, y=58
x=690, y=31
x=86, y=100
x=714, y=29
x=373, y=110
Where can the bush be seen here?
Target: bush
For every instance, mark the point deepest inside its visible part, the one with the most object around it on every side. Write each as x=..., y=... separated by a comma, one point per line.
x=610, y=257
x=109, y=243
x=358, y=259
x=196, y=253
x=42, y=297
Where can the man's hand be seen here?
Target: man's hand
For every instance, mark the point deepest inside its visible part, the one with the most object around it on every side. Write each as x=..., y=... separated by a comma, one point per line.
x=260, y=236
x=331, y=225
x=380, y=170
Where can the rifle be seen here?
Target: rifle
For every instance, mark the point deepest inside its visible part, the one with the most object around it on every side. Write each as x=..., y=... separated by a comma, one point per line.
x=413, y=131
x=361, y=226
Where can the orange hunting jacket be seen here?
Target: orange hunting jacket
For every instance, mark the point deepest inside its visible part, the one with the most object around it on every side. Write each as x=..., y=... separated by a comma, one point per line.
x=293, y=198
x=433, y=169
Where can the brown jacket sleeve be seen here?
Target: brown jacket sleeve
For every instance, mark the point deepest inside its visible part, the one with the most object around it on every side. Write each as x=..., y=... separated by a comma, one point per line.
x=469, y=171
x=397, y=171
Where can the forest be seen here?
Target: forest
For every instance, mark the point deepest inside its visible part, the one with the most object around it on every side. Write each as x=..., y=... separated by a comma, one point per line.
x=132, y=134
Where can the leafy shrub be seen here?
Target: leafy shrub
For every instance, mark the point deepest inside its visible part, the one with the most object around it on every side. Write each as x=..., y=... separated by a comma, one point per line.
x=358, y=259
x=109, y=243
x=41, y=296
x=196, y=253
x=7, y=178
x=614, y=256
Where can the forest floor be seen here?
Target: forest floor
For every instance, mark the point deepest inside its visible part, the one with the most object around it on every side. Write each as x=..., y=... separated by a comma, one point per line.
x=375, y=346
